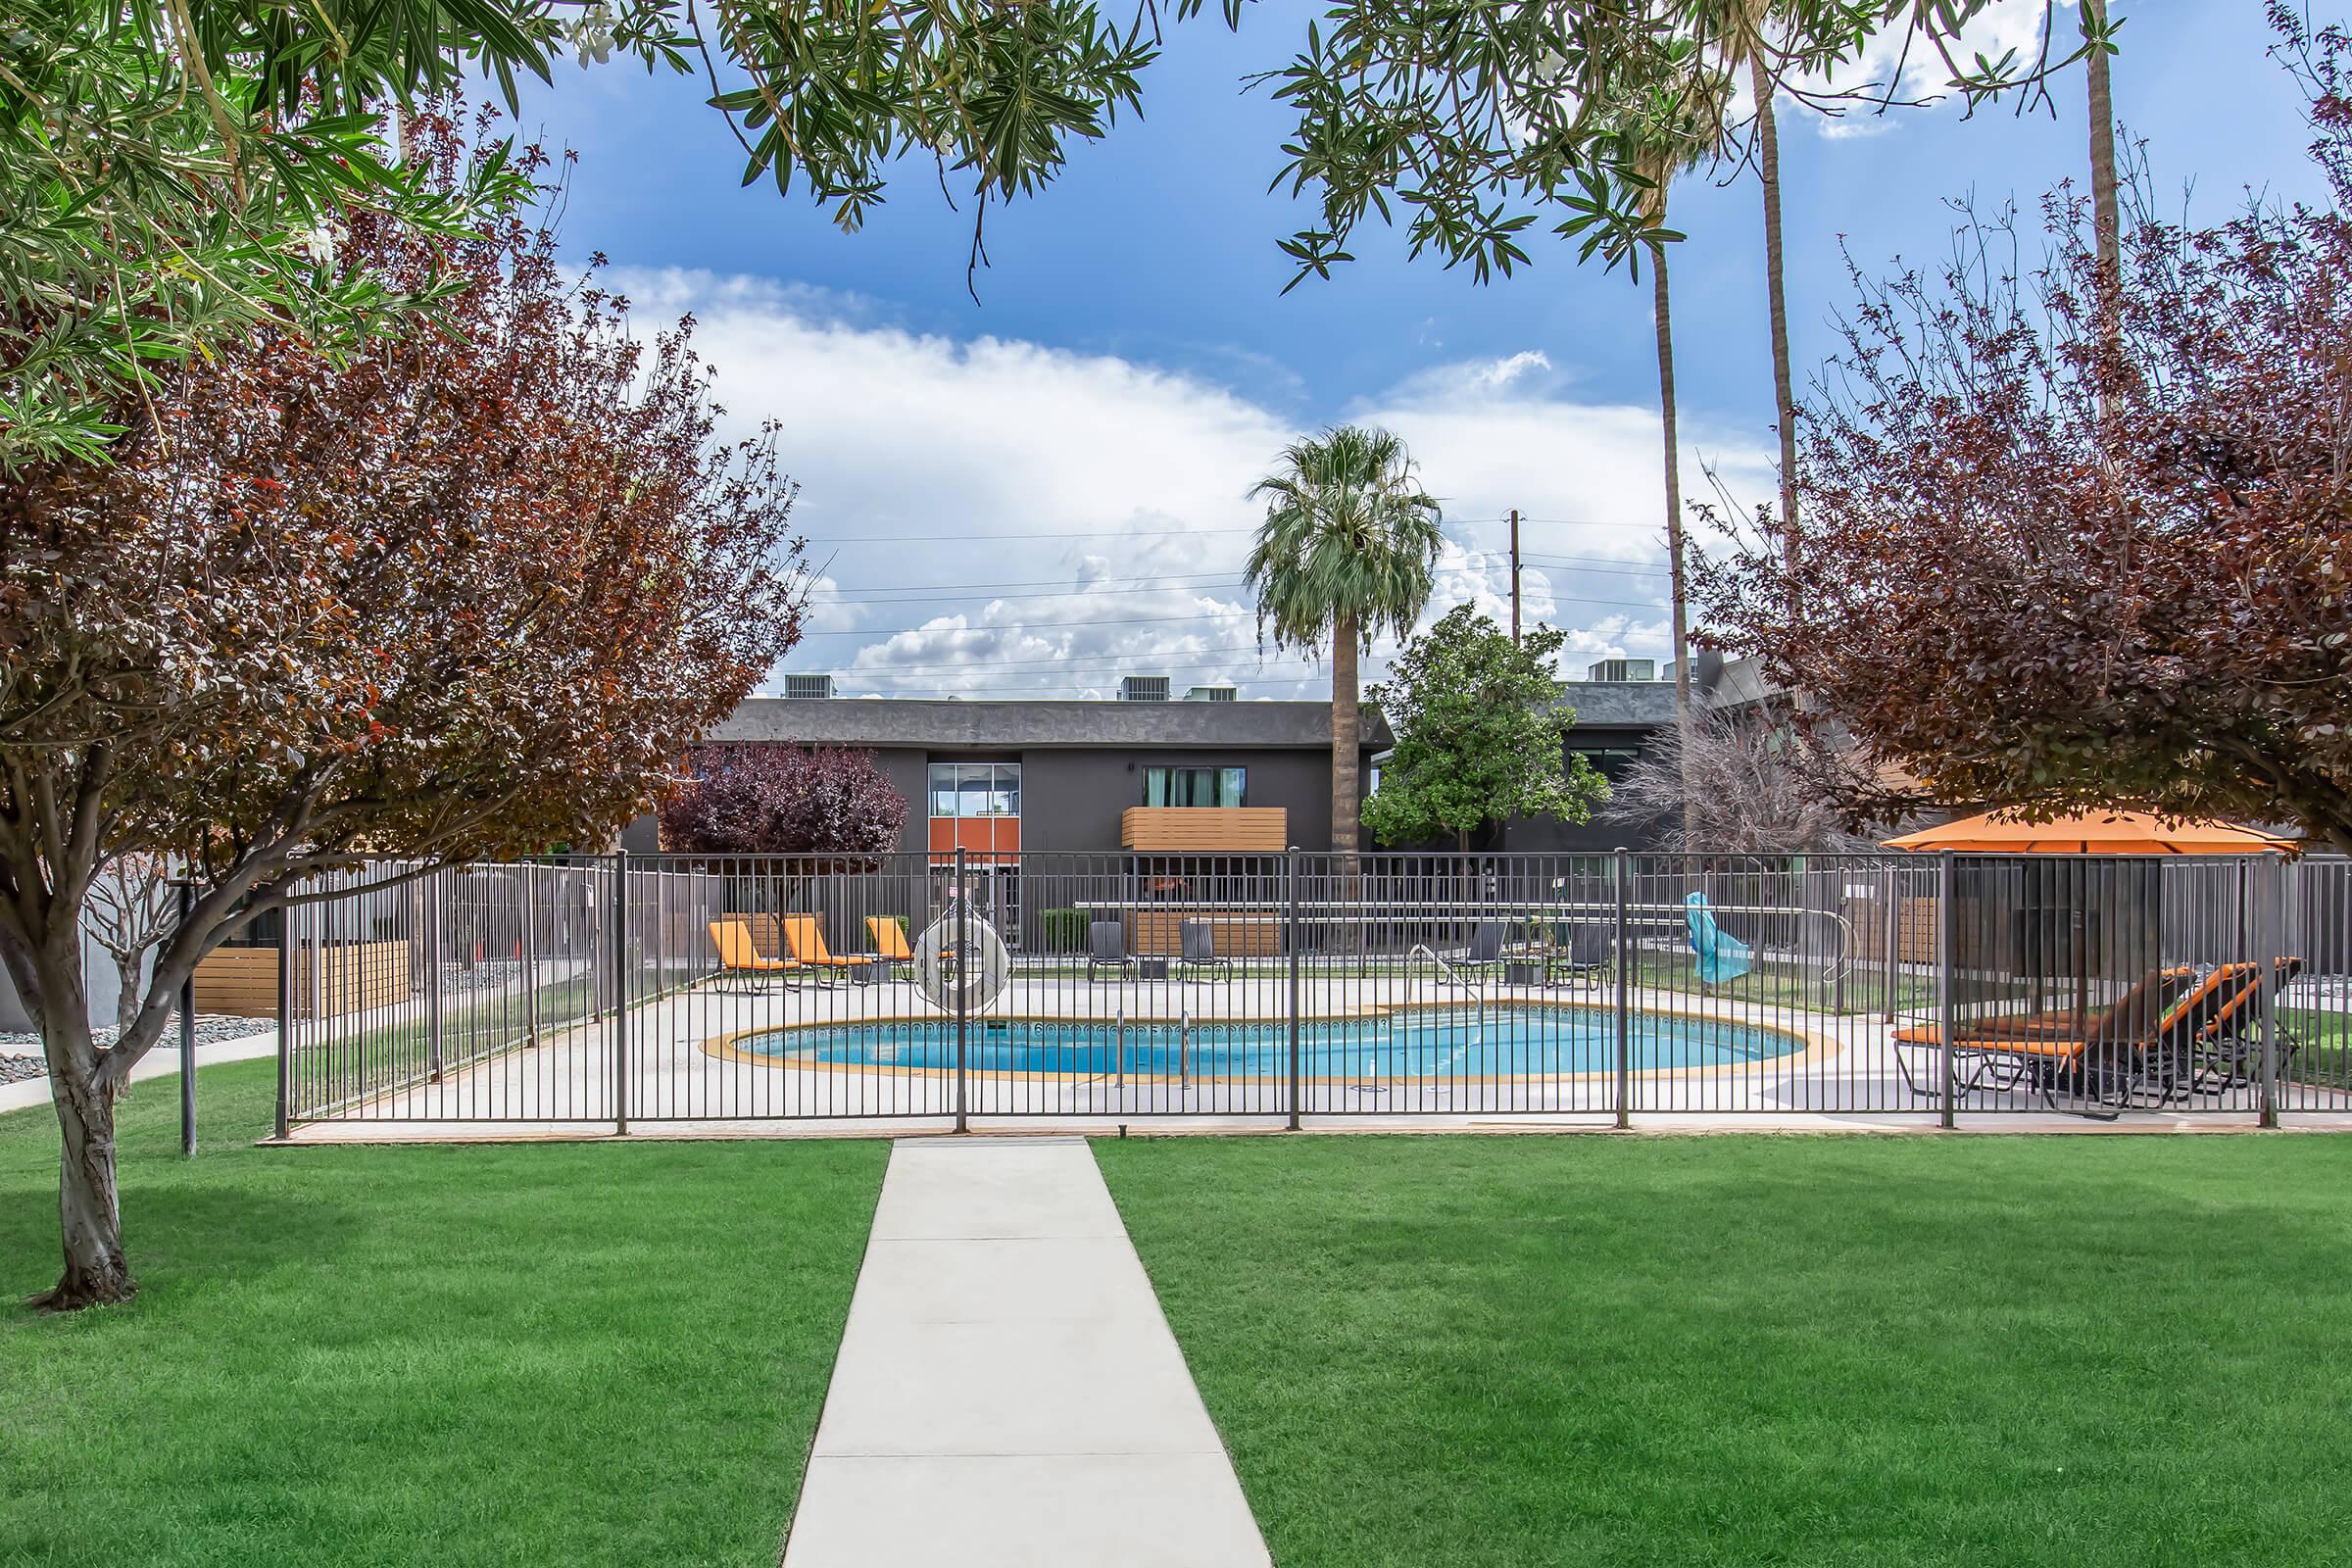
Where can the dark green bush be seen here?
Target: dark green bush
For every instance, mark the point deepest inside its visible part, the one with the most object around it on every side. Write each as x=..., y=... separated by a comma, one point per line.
x=1063, y=930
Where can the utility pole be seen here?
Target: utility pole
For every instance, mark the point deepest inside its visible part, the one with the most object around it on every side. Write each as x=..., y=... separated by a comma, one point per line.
x=1514, y=576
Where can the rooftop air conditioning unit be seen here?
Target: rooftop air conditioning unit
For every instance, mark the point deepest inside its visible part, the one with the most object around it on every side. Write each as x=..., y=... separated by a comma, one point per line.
x=809, y=686
x=1216, y=692
x=1623, y=670
x=1143, y=688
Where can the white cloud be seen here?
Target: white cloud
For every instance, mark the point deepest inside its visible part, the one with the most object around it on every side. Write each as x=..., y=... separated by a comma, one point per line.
x=994, y=517
x=2001, y=26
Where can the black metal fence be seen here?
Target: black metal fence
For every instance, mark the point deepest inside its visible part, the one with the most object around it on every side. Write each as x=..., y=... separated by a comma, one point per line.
x=1251, y=988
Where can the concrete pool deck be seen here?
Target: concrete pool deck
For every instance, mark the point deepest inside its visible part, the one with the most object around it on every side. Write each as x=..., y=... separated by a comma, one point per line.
x=1008, y=1394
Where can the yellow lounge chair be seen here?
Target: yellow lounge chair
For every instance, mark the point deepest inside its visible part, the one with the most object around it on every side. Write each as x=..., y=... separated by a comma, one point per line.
x=890, y=942
x=807, y=945
x=738, y=956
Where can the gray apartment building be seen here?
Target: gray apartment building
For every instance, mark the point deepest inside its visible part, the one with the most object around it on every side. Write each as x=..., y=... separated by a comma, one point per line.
x=1149, y=772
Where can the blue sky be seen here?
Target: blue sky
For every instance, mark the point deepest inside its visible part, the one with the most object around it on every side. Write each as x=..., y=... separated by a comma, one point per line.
x=1037, y=490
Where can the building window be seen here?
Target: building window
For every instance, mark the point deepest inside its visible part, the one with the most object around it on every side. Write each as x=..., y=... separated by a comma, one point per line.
x=1195, y=786
x=975, y=789
x=1611, y=762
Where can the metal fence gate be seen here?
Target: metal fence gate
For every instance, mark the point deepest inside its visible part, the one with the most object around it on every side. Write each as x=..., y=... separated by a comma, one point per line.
x=619, y=991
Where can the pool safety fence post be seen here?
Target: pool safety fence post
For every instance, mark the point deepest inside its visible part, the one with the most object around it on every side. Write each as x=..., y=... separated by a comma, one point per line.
x=2269, y=942
x=1945, y=926
x=1890, y=935
x=1289, y=941
x=435, y=887
x=1624, y=1019
x=962, y=992
x=187, y=1032
x=620, y=992
x=286, y=1014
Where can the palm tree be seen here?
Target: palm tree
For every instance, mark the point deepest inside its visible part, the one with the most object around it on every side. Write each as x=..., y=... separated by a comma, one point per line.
x=1347, y=551
x=1668, y=130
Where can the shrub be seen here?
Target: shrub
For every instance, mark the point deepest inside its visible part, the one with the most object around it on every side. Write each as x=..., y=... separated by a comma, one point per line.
x=1063, y=930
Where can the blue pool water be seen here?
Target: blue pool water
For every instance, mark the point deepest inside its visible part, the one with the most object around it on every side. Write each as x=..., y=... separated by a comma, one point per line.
x=1416, y=1043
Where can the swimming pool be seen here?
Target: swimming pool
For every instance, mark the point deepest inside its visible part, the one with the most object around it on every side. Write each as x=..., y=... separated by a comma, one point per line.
x=1510, y=1042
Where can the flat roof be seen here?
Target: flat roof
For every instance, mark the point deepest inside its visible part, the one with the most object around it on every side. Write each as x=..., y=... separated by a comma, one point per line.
x=947, y=724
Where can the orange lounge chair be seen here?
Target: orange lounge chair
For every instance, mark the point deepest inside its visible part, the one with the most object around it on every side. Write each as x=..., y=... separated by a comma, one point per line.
x=2133, y=1051
x=2124, y=1016
x=738, y=956
x=2227, y=1051
x=807, y=945
x=890, y=943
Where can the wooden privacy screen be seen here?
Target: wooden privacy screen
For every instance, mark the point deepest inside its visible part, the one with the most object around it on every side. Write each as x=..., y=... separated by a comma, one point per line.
x=354, y=976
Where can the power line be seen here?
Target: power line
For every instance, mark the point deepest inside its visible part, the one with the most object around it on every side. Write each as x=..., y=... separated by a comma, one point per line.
x=1062, y=588
x=1066, y=579
x=1172, y=533
x=1061, y=593
x=1148, y=621
x=1083, y=660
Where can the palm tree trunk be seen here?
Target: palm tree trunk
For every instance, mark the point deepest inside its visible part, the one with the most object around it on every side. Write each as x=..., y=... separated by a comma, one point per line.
x=1768, y=168
x=2105, y=209
x=1661, y=303
x=1347, y=735
x=1346, y=757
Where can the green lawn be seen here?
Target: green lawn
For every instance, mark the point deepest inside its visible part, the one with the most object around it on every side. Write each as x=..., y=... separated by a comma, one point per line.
x=540, y=1354
x=1767, y=1350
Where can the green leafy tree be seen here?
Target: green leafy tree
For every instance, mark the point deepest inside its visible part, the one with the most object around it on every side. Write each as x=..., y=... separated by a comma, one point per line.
x=1481, y=735
x=177, y=168
x=1347, y=551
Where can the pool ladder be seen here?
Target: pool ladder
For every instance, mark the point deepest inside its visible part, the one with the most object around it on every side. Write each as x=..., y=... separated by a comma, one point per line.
x=1184, y=1047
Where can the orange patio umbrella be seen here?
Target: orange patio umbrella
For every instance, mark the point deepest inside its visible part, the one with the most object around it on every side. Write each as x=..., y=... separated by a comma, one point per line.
x=2092, y=833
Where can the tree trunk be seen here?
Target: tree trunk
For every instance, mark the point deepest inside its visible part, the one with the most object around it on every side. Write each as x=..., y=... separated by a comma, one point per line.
x=89, y=1210
x=1784, y=394
x=131, y=993
x=54, y=989
x=1347, y=735
x=1346, y=757
x=1662, y=306
x=2105, y=209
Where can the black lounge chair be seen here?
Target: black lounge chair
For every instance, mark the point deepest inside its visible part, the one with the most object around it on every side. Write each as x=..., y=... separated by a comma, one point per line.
x=1106, y=949
x=1198, y=951
x=1485, y=954
x=1584, y=960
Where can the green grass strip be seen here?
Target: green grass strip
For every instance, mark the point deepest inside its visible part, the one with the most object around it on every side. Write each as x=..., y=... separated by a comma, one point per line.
x=548, y=1353
x=1766, y=1350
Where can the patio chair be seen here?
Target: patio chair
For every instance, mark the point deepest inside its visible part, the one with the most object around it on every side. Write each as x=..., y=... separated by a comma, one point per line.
x=807, y=945
x=1198, y=952
x=1585, y=959
x=739, y=958
x=1107, y=947
x=890, y=946
x=2227, y=1051
x=1484, y=956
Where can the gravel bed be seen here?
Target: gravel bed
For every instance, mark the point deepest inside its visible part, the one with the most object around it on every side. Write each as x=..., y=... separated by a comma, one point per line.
x=211, y=1029
x=487, y=975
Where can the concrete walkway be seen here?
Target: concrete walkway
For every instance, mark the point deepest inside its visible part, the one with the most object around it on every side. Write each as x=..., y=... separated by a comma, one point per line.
x=1008, y=1395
